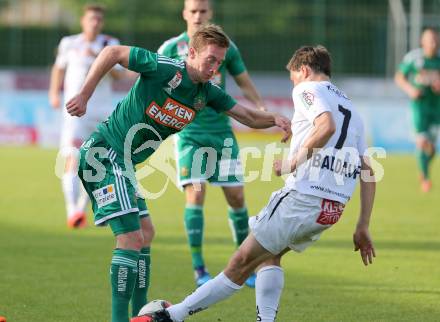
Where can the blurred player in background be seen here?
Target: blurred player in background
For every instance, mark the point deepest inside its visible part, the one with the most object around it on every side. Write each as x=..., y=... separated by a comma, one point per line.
x=419, y=77
x=166, y=97
x=325, y=161
x=76, y=54
x=224, y=170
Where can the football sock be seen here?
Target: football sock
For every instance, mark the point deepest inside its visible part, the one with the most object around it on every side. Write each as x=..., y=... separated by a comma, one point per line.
x=424, y=160
x=238, y=220
x=139, y=298
x=213, y=291
x=194, y=230
x=268, y=288
x=123, y=273
x=71, y=184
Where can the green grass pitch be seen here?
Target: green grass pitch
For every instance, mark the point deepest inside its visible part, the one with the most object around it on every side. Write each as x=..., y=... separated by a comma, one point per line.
x=49, y=273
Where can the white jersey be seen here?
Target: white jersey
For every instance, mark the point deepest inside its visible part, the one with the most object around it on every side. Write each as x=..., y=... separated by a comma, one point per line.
x=76, y=55
x=332, y=172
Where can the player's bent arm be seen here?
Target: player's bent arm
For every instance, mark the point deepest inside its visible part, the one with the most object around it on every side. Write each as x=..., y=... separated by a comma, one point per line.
x=406, y=86
x=106, y=60
x=248, y=89
x=56, y=80
x=323, y=129
x=361, y=237
x=260, y=119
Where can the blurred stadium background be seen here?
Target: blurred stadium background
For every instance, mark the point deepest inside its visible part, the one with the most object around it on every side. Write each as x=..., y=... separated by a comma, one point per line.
x=48, y=273
x=367, y=39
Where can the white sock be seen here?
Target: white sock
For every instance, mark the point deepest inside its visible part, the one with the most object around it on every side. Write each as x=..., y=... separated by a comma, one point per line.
x=83, y=199
x=213, y=291
x=268, y=288
x=70, y=184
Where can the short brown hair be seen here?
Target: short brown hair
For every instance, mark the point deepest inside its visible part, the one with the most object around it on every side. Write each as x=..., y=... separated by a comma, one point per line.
x=94, y=7
x=209, y=34
x=317, y=58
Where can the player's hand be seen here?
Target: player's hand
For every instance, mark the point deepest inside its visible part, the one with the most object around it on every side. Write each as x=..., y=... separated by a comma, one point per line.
x=362, y=242
x=77, y=105
x=281, y=167
x=284, y=124
x=436, y=86
x=414, y=93
x=54, y=100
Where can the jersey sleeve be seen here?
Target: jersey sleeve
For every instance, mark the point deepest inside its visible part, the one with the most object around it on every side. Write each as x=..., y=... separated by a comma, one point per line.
x=61, y=59
x=234, y=62
x=142, y=61
x=218, y=99
x=308, y=100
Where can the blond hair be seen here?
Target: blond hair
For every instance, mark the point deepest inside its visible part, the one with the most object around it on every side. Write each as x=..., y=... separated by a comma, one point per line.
x=209, y=34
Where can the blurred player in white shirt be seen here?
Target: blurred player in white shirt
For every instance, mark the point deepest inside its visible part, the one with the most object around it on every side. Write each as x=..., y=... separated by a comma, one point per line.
x=76, y=54
x=326, y=159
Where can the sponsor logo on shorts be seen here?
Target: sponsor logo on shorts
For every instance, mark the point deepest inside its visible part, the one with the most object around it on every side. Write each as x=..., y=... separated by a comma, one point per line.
x=171, y=114
x=105, y=196
x=331, y=211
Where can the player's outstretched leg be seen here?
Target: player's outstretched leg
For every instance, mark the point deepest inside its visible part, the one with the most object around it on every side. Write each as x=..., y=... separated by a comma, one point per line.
x=238, y=220
x=242, y=264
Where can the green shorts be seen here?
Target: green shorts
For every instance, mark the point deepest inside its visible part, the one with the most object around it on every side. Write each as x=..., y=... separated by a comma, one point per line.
x=213, y=158
x=425, y=122
x=105, y=179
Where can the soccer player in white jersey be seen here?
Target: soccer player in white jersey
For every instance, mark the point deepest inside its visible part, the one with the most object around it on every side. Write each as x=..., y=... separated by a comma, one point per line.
x=76, y=54
x=326, y=158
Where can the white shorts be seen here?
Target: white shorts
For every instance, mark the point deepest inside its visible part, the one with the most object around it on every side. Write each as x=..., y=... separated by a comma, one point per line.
x=293, y=220
x=75, y=130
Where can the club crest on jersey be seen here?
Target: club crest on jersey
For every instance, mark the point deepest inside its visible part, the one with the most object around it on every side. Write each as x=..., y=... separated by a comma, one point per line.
x=199, y=103
x=174, y=82
x=182, y=49
x=307, y=98
x=170, y=114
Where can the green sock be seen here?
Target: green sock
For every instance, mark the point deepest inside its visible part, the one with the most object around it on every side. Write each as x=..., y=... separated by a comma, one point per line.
x=194, y=231
x=140, y=292
x=238, y=220
x=123, y=273
x=423, y=160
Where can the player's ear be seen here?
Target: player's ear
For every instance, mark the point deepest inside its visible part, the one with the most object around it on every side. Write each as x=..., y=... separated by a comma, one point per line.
x=192, y=52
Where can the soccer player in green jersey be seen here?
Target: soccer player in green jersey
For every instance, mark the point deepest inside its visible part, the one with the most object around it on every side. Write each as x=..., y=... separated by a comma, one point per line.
x=419, y=77
x=224, y=171
x=166, y=97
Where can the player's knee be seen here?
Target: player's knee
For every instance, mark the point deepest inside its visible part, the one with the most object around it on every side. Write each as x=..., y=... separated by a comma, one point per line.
x=195, y=196
x=236, y=199
x=148, y=232
x=132, y=240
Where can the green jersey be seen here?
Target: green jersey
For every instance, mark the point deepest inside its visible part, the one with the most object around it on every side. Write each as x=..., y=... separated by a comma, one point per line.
x=162, y=101
x=207, y=120
x=420, y=72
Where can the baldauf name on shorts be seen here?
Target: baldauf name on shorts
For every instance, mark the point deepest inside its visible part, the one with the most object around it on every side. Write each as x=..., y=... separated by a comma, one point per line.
x=171, y=114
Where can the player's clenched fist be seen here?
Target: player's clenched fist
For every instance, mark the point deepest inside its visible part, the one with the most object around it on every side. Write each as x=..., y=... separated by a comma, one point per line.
x=77, y=106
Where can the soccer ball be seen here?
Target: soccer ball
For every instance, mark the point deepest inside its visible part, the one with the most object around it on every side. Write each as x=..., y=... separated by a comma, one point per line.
x=154, y=306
